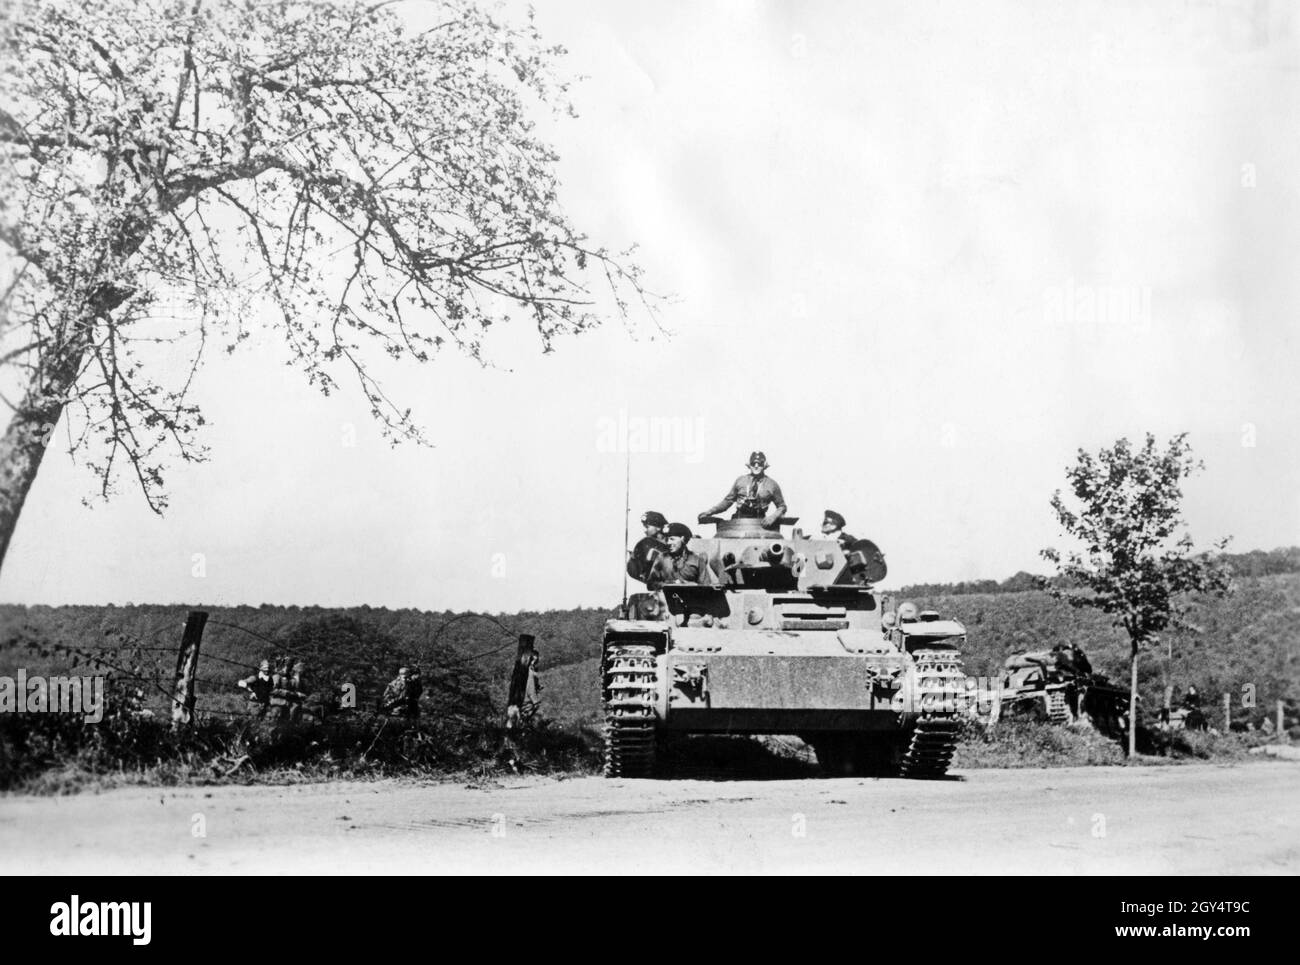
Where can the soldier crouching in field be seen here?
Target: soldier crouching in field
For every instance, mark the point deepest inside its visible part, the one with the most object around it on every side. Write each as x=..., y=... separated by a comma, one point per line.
x=401, y=698
x=259, y=687
x=281, y=701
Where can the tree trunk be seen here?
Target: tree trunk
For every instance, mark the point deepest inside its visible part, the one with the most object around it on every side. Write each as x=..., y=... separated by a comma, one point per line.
x=23, y=445
x=1169, y=676
x=187, y=665
x=22, y=448
x=1133, y=701
x=519, y=676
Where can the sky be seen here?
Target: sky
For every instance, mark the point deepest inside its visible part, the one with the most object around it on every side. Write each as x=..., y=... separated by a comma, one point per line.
x=919, y=254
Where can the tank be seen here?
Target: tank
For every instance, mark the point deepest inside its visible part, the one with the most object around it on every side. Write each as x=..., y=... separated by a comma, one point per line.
x=1060, y=687
x=793, y=640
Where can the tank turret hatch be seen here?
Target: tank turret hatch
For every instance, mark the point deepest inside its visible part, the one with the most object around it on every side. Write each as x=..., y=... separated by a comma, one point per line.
x=864, y=563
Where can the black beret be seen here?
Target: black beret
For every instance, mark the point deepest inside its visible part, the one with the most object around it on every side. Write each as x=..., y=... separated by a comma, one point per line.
x=654, y=519
x=679, y=529
x=835, y=518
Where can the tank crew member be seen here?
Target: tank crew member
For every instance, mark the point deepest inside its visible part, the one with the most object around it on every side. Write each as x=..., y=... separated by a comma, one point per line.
x=755, y=495
x=648, y=547
x=259, y=687
x=679, y=564
x=833, y=528
x=1071, y=660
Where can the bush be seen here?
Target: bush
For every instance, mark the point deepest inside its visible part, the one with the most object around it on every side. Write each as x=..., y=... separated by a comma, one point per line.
x=1027, y=743
x=1203, y=744
x=60, y=753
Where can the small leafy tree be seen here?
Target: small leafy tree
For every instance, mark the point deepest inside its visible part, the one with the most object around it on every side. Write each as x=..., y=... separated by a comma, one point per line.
x=178, y=174
x=1132, y=564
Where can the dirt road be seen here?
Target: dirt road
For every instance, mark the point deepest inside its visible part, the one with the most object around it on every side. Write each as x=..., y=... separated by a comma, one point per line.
x=1201, y=819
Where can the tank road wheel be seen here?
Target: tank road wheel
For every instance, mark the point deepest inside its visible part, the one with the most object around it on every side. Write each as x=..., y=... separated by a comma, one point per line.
x=1058, y=708
x=630, y=680
x=1040, y=711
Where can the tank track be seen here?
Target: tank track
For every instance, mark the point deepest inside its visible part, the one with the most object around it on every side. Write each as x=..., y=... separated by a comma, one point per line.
x=630, y=679
x=1058, y=708
x=940, y=683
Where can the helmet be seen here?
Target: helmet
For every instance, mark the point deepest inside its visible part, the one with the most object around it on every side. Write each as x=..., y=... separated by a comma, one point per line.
x=757, y=458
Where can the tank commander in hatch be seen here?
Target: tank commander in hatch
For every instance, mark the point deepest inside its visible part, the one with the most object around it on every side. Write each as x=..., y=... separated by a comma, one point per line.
x=1071, y=660
x=833, y=528
x=755, y=495
x=679, y=564
x=649, y=547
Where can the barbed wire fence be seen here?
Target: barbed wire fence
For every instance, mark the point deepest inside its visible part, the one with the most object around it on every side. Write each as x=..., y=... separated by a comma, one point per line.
x=141, y=661
x=161, y=678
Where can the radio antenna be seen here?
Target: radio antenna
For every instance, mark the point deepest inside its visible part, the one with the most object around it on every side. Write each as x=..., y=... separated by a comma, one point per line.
x=627, y=511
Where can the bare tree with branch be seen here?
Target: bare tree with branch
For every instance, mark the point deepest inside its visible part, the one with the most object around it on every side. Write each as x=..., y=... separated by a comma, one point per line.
x=172, y=170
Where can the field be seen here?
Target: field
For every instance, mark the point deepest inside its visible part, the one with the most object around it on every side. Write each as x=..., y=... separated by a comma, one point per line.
x=1247, y=646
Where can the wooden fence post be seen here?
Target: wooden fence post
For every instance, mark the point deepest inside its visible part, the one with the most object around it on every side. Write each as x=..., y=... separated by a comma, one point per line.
x=1281, y=733
x=1227, y=713
x=187, y=665
x=519, y=673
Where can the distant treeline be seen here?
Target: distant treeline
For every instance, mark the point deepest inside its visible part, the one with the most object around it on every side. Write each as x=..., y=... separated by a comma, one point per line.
x=1254, y=563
